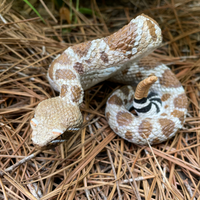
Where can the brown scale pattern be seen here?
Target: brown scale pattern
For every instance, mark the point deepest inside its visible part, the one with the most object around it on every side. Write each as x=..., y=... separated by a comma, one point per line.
x=167, y=126
x=104, y=57
x=169, y=79
x=156, y=141
x=139, y=75
x=152, y=30
x=148, y=63
x=124, y=118
x=179, y=114
x=115, y=100
x=63, y=59
x=125, y=101
x=142, y=41
x=165, y=97
x=64, y=90
x=76, y=93
x=82, y=48
x=125, y=90
x=88, y=62
x=107, y=116
x=123, y=39
x=129, y=135
x=145, y=129
x=65, y=74
x=79, y=67
x=181, y=101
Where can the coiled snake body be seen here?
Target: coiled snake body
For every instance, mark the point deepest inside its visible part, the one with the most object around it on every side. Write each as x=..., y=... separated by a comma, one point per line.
x=160, y=111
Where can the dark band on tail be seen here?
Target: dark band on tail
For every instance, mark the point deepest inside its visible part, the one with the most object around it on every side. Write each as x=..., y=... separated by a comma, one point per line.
x=144, y=105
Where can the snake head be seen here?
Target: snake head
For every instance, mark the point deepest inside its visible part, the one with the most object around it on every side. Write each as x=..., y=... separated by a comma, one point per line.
x=53, y=117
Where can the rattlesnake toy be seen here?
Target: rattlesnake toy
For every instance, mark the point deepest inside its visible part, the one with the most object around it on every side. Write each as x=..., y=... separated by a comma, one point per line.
x=159, y=101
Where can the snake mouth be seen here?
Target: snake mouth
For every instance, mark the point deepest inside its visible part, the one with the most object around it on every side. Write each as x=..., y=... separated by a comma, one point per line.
x=62, y=136
x=47, y=135
x=41, y=140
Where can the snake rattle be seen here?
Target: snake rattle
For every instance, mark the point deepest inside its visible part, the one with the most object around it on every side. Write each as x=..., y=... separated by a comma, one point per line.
x=159, y=100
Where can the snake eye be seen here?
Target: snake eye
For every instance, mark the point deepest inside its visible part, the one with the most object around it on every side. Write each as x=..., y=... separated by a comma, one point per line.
x=57, y=132
x=34, y=122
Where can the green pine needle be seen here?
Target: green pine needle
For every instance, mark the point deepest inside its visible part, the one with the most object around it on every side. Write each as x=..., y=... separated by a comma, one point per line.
x=38, y=14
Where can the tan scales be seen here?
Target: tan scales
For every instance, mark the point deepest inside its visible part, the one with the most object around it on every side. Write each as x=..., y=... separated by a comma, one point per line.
x=117, y=58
